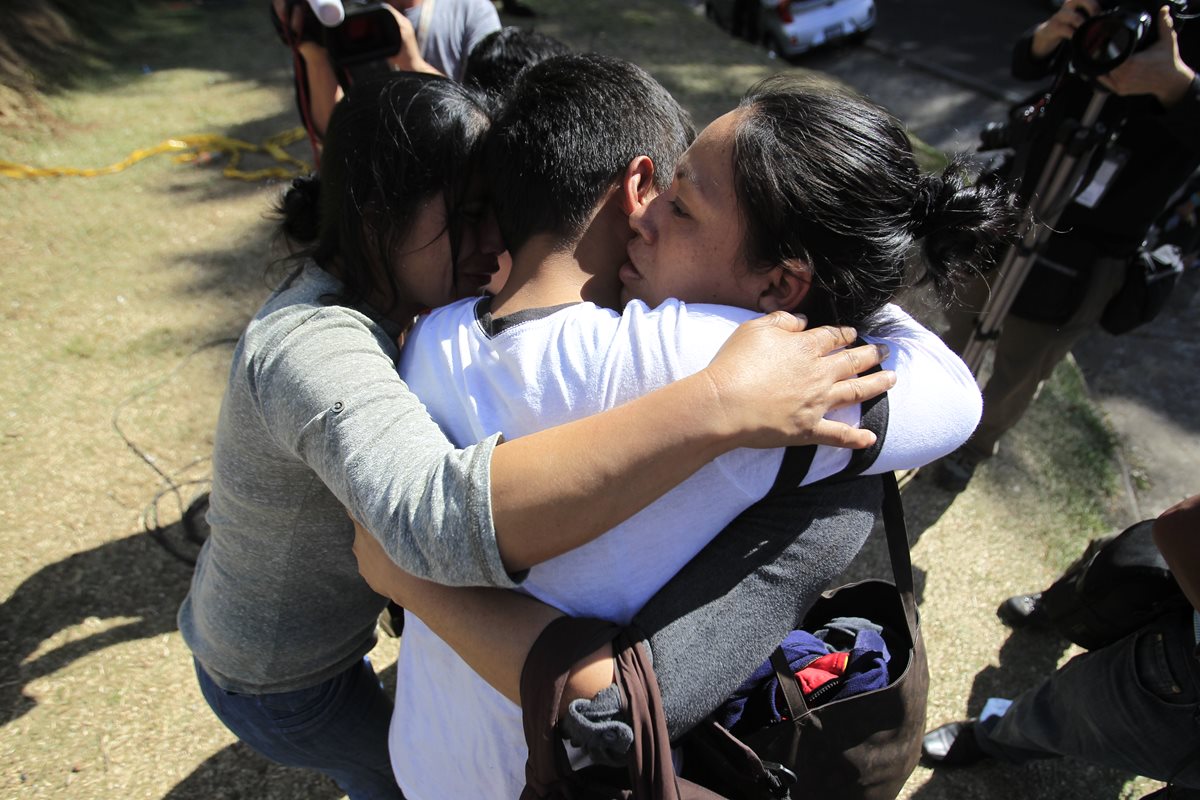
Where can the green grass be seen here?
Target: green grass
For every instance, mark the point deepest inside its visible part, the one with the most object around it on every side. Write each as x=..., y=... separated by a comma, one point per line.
x=1068, y=452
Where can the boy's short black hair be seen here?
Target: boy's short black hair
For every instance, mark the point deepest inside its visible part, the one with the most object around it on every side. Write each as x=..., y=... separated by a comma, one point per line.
x=495, y=61
x=566, y=133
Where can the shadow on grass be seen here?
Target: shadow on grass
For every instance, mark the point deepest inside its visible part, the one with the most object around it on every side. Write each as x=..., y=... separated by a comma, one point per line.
x=131, y=578
x=1025, y=658
x=239, y=773
x=70, y=44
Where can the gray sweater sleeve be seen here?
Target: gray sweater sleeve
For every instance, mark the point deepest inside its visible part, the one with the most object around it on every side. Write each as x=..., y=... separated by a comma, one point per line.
x=325, y=382
x=721, y=616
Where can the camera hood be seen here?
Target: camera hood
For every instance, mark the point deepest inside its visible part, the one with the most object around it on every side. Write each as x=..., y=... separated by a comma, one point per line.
x=1103, y=42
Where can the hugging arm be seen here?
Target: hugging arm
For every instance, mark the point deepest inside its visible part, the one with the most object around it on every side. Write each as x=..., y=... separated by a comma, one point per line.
x=475, y=516
x=563, y=487
x=751, y=585
x=711, y=626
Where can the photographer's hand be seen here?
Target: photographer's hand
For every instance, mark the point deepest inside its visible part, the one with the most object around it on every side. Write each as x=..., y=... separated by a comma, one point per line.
x=1157, y=70
x=409, y=58
x=1062, y=26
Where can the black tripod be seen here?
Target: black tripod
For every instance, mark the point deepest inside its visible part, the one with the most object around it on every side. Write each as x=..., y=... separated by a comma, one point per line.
x=1076, y=141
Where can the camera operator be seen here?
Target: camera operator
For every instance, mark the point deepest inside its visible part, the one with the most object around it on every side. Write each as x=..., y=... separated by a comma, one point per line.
x=435, y=36
x=1155, y=107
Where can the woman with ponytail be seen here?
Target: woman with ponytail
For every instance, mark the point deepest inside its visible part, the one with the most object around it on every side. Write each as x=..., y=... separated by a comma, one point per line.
x=805, y=198
x=315, y=421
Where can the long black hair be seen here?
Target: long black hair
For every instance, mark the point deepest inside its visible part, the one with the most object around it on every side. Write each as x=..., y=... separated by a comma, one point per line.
x=827, y=178
x=391, y=144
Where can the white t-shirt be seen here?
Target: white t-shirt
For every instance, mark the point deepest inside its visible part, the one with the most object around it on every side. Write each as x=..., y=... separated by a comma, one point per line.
x=454, y=736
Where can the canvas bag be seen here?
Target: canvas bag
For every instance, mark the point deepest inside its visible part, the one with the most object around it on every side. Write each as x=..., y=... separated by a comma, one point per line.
x=863, y=746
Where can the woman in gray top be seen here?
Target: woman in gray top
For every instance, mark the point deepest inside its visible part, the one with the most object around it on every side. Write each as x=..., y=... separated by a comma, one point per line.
x=315, y=421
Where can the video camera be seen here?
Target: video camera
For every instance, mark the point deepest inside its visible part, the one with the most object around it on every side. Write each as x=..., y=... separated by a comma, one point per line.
x=1103, y=42
x=1060, y=151
x=1100, y=45
x=354, y=33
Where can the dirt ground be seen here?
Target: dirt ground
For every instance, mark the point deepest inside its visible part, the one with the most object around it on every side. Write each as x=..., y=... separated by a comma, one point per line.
x=121, y=296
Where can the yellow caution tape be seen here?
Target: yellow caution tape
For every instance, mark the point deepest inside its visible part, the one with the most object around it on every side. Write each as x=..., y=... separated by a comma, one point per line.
x=196, y=147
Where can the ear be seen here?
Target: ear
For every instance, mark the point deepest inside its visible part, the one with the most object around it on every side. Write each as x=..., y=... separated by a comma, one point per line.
x=786, y=287
x=637, y=184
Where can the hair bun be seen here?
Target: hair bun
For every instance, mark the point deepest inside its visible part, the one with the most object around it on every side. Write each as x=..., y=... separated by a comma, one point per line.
x=300, y=209
x=962, y=226
x=927, y=205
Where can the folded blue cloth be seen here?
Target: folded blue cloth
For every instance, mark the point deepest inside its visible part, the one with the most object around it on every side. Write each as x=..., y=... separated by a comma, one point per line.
x=758, y=702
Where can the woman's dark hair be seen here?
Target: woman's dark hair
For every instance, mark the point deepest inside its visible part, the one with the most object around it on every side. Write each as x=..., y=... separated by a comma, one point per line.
x=495, y=61
x=391, y=144
x=827, y=178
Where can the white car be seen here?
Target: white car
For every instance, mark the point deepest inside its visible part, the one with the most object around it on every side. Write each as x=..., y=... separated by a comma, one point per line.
x=792, y=27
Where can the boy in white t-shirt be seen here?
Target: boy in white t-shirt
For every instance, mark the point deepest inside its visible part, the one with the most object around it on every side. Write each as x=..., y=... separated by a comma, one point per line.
x=547, y=348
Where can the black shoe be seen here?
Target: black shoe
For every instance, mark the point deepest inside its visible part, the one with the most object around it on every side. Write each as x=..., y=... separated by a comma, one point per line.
x=953, y=472
x=952, y=745
x=1025, y=612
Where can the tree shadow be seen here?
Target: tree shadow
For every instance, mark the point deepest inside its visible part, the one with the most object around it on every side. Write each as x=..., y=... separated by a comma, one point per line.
x=71, y=44
x=131, y=578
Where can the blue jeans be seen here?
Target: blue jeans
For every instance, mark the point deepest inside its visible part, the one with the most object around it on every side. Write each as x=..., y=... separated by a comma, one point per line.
x=338, y=728
x=1132, y=705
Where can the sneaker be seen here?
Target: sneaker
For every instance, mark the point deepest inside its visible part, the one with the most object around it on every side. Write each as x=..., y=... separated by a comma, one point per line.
x=953, y=472
x=952, y=745
x=1025, y=612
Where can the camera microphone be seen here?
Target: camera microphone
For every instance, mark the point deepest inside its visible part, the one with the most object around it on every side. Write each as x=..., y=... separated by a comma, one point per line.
x=330, y=12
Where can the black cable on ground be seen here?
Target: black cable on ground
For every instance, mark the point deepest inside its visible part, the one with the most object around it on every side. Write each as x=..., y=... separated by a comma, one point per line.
x=191, y=513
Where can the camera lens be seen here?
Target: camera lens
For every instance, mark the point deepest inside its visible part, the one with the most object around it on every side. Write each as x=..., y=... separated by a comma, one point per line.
x=1103, y=42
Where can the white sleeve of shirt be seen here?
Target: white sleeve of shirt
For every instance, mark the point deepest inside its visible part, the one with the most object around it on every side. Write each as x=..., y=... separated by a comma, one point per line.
x=932, y=410
x=934, y=406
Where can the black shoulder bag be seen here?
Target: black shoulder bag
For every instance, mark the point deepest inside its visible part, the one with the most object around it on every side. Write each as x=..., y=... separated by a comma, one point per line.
x=862, y=746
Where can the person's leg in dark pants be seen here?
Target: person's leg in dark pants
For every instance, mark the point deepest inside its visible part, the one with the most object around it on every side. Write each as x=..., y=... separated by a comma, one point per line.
x=1132, y=705
x=338, y=728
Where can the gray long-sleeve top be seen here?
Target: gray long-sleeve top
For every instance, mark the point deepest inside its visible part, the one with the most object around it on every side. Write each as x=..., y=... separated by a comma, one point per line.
x=315, y=420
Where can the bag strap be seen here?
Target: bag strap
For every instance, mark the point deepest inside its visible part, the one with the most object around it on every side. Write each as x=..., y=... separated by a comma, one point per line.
x=898, y=551
x=543, y=678
x=797, y=460
x=425, y=24
x=650, y=773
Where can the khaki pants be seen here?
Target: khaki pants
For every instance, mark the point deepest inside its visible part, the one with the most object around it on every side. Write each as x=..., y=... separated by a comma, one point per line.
x=1026, y=352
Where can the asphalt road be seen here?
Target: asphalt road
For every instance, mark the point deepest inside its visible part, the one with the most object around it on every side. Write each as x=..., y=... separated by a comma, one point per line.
x=942, y=67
